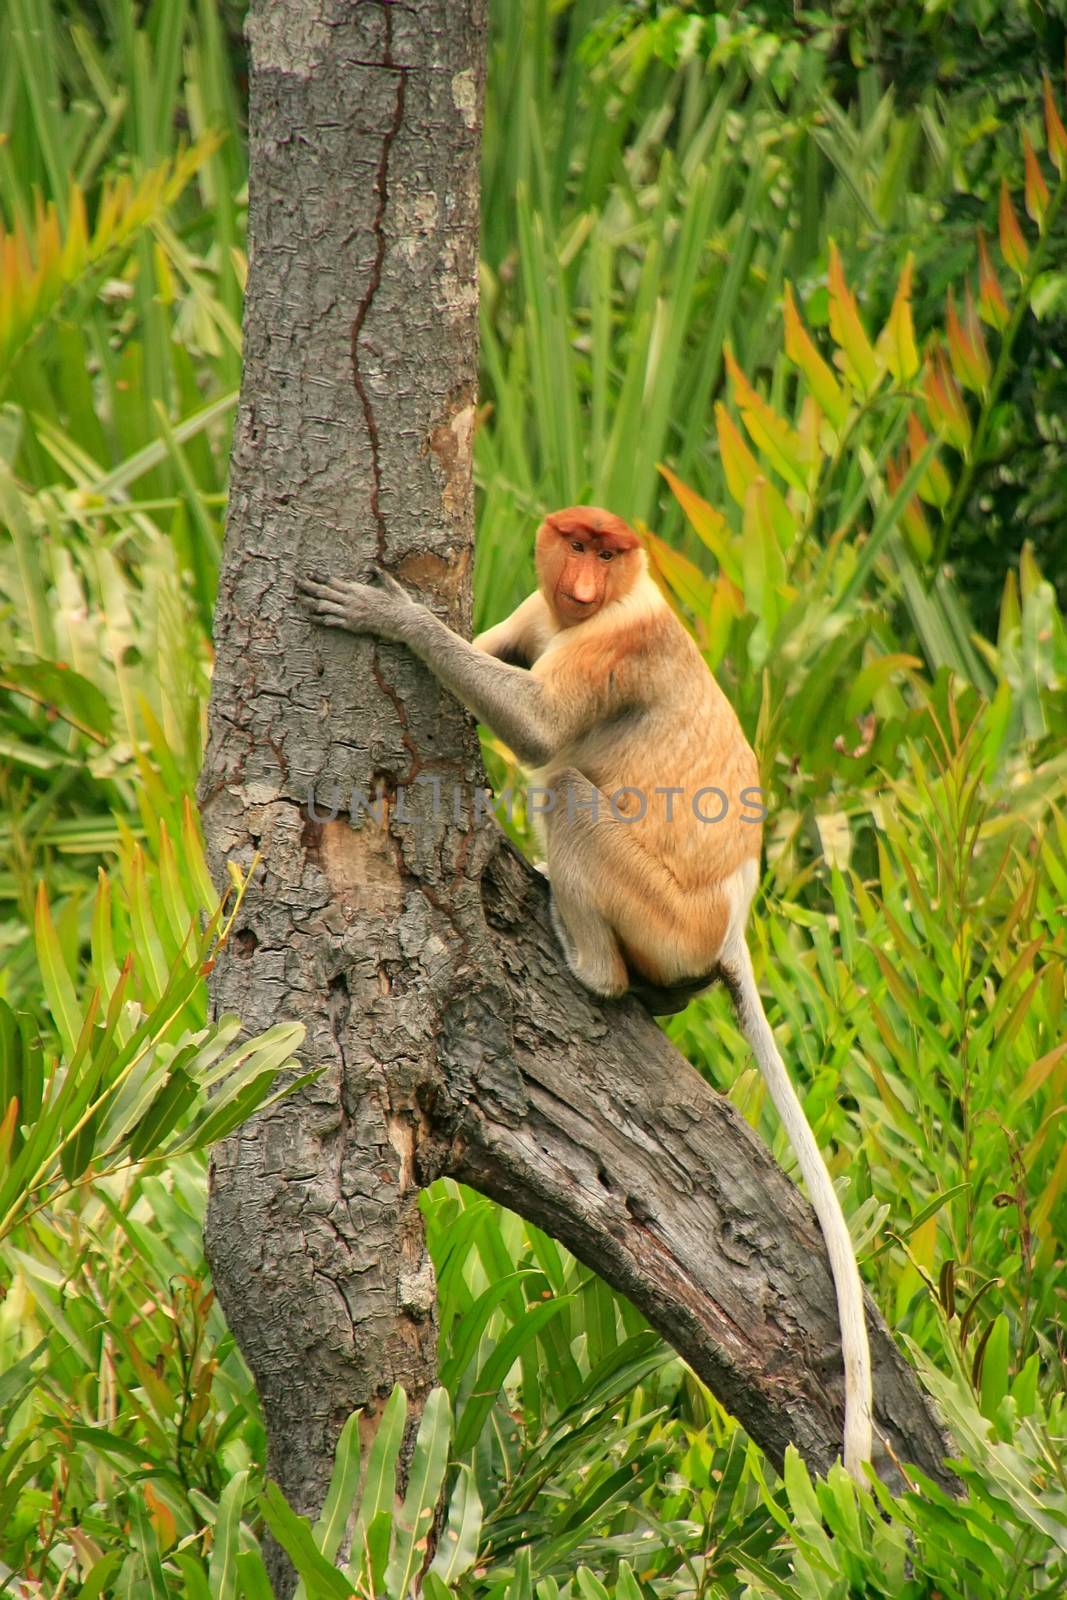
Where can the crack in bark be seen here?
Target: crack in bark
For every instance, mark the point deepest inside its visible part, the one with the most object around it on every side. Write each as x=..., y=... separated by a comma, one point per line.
x=381, y=183
x=400, y=711
x=444, y=908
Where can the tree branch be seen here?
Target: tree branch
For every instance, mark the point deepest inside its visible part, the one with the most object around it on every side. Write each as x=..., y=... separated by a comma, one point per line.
x=583, y=1117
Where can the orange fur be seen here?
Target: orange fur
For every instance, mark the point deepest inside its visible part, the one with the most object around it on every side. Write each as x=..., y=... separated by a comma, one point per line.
x=642, y=711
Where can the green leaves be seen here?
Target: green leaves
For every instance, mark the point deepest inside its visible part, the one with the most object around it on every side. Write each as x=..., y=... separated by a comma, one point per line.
x=781, y=444
x=1055, y=133
x=318, y=1576
x=497, y=1367
x=425, y=1479
x=63, y=693
x=389, y=1531
x=128, y=1084
x=58, y=987
x=835, y=491
x=843, y=1539
x=38, y=267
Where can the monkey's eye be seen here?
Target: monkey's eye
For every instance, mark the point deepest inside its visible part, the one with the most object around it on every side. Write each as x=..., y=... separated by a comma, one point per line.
x=576, y=544
x=606, y=555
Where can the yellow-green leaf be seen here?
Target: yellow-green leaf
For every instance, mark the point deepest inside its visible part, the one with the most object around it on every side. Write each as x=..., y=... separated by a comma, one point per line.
x=58, y=988
x=800, y=349
x=970, y=359
x=1055, y=132
x=727, y=607
x=1010, y=611
x=195, y=864
x=739, y=464
x=991, y=301
x=861, y=364
x=1036, y=190
x=935, y=485
x=680, y=576
x=896, y=342
x=8, y=1126
x=1037, y=1073
x=38, y=267
x=944, y=401
x=710, y=525
x=1012, y=244
x=912, y=519
x=873, y=677
x=780, y=443
x=809, y=427
x=762, y=558
x=1031, y=577
x=973, y=328
x=1049, y=1198
x=741, y=469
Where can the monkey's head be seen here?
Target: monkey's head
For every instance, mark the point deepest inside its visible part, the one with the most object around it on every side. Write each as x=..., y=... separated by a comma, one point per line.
x=586, y=558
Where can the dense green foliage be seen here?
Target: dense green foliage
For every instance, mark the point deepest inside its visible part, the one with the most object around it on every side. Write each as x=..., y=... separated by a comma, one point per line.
x=868, y=550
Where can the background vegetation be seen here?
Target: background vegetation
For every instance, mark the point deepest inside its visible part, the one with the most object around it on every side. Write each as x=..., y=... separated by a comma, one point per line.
x=810, y=260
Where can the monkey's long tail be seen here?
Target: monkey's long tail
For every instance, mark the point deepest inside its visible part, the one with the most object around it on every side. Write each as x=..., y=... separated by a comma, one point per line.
x=738, y=973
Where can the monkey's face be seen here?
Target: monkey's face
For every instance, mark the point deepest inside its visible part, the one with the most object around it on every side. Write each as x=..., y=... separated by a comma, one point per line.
x=586, y=557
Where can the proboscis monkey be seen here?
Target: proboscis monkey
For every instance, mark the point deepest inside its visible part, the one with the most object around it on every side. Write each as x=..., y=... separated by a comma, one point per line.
x=652, y=815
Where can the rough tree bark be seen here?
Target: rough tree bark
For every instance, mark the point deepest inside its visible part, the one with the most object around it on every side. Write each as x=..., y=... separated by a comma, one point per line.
x=420, y=955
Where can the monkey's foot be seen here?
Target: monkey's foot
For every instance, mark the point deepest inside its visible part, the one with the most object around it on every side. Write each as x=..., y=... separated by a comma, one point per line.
x=599, y=966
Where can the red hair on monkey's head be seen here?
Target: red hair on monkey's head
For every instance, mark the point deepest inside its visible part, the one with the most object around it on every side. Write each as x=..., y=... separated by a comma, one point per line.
x=586, y=558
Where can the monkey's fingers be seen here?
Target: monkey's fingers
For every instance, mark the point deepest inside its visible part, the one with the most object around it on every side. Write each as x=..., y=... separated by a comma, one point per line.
x=385, y=580
x=325, y=602
x=318, y=587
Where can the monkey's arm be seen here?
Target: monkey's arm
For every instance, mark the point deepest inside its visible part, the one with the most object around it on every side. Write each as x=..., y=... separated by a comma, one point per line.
x=507, y=698
x=520, y=638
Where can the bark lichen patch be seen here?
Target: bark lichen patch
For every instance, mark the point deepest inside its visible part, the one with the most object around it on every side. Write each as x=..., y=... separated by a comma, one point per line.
x=416, y=223
x=441, y=575
x=417, y=1288
x=450, y=443
x=360, y=867
x=465, y=97
x=402, y=1138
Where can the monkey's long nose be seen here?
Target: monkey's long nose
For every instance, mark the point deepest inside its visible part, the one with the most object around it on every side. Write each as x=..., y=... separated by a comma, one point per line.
x=584, y=589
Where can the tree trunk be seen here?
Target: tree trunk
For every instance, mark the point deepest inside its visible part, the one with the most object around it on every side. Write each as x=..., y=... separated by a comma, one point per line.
x=418, y=952
x=352, y=444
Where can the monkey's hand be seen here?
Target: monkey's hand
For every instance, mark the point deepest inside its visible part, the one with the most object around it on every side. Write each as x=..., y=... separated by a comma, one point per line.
x=381, y=607
x=508, y=698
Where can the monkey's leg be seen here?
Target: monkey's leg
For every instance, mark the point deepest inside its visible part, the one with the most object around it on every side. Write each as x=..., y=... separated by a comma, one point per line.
x=588, y=942
x=589, y=945
x=607, y=889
